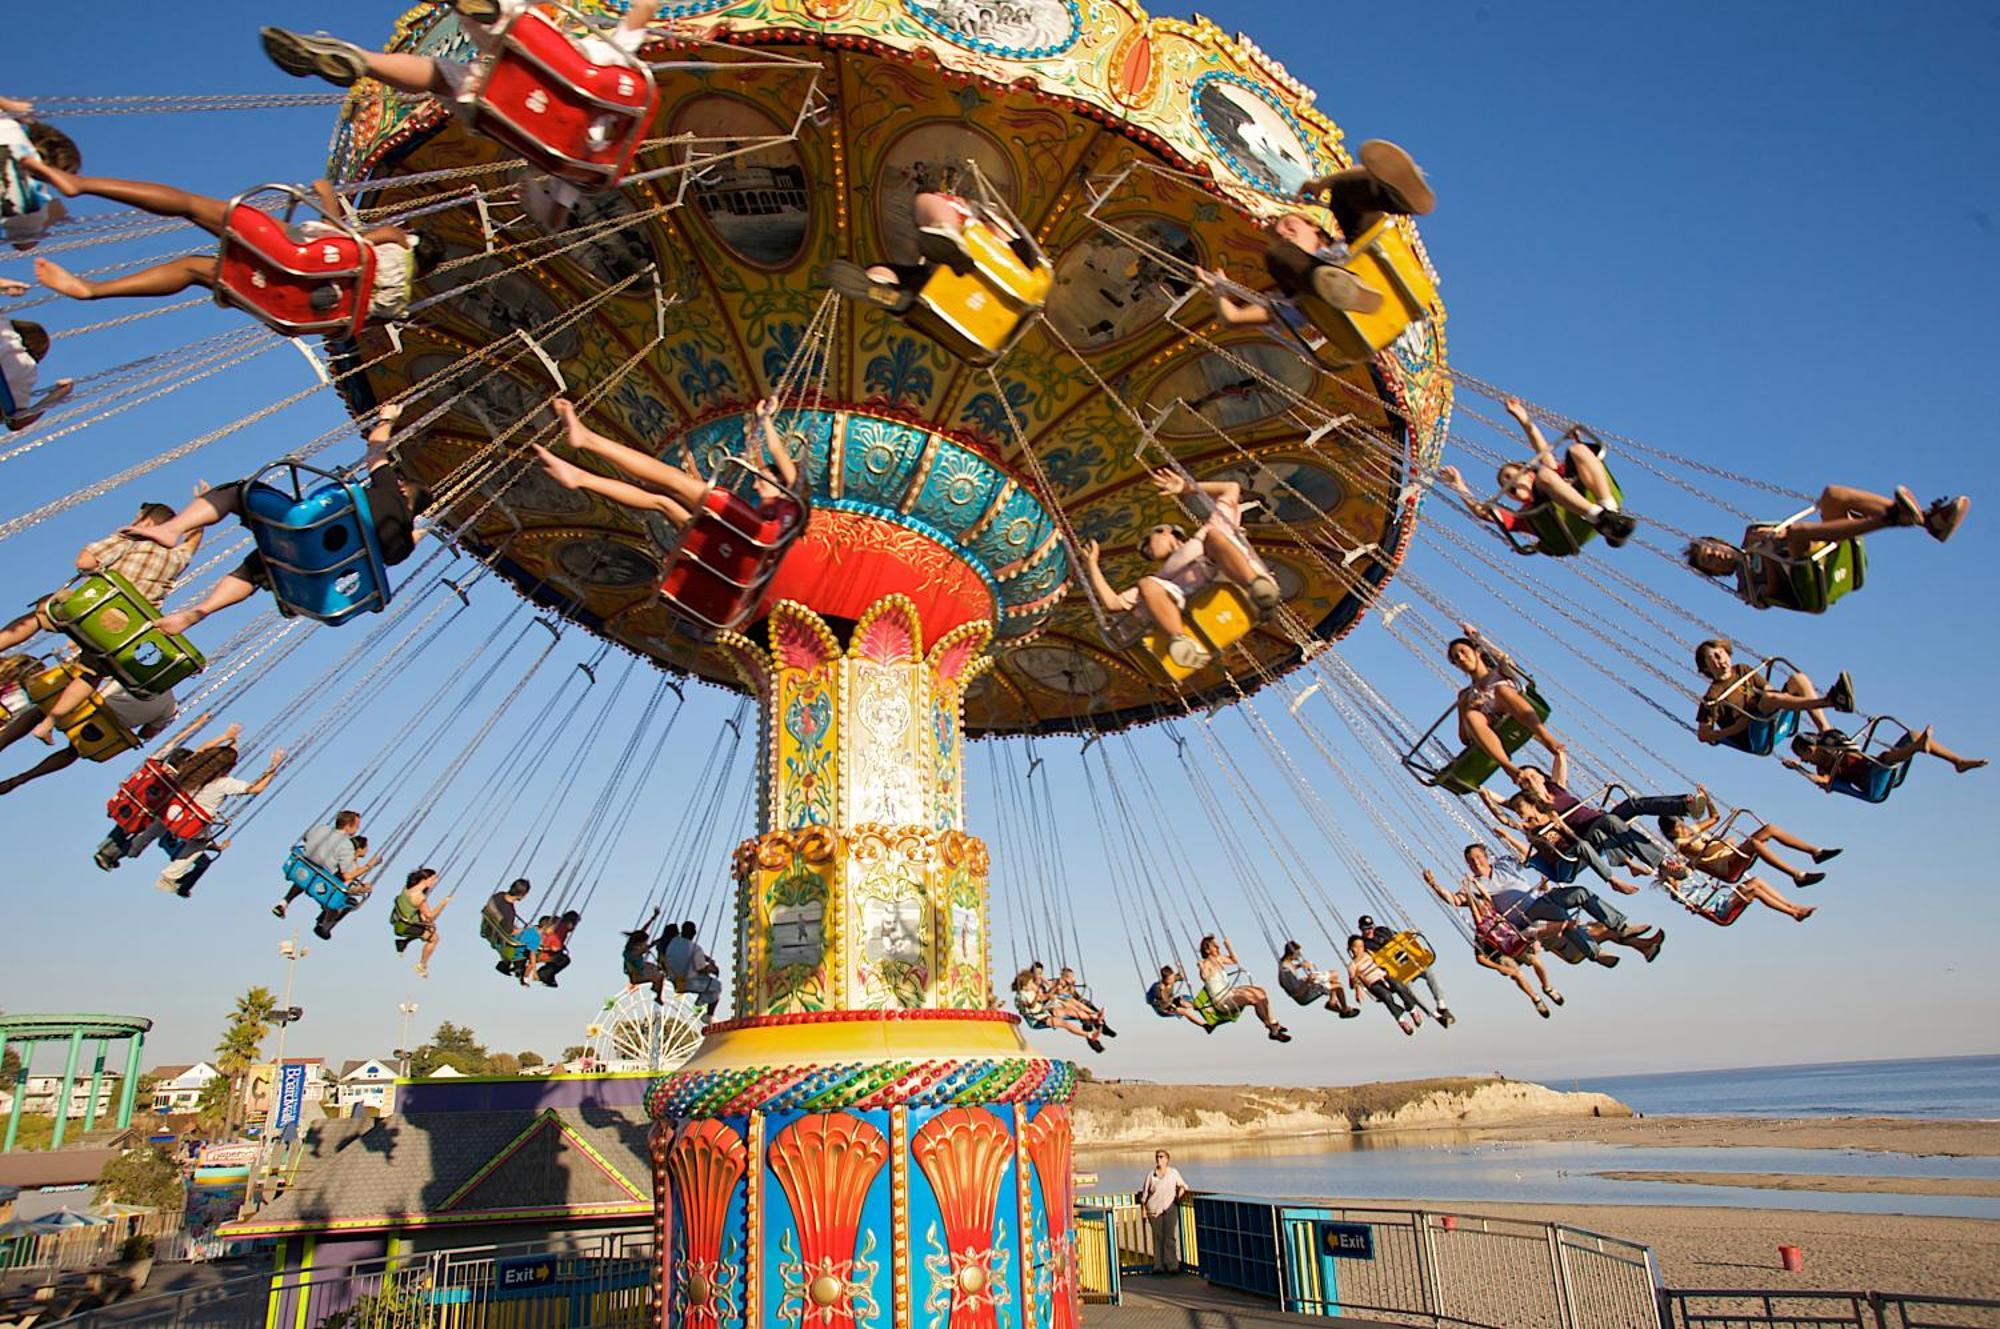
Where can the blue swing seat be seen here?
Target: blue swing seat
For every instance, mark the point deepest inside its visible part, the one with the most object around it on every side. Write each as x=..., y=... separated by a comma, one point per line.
x=323, y=888
x=1878, y=779
x=1762, y=737
x=318, y=545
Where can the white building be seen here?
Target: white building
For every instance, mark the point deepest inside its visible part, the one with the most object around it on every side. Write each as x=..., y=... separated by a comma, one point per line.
x=365, y=1086
x=40, y=1098
x=178, y=1088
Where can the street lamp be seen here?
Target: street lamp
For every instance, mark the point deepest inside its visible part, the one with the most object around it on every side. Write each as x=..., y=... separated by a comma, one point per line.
x=283, y=1017
x=408, y=1008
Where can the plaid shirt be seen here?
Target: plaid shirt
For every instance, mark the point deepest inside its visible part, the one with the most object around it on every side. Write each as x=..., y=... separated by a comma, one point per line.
x=150, y=568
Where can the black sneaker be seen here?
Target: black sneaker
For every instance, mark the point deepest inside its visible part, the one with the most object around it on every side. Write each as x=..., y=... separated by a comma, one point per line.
x=1841, y=695
x=1616, y=526
x=278, y=909
x=504, y=968
x=1398, y=171
x=323, y=932
x=1107, y=1031
x=185, y=892
x=546, y=982
x=1811, y=879
x=1826, y=855
x=403, y=944
x=340, y=63
x=1095, y=1044
x=1446, y=1018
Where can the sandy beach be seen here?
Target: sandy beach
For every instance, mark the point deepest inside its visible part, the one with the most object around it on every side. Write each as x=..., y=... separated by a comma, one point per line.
x=1831, y=1182
x=1942, y=1139
x=1698, y=1246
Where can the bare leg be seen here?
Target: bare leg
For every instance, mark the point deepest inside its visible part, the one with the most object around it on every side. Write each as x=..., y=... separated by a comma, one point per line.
x=1765, y=894
x=19, y=728
x=1477, y=731
x=160, y=200
x=169, y=278
x=1754, y=843
x=231, y=590
x=17, y=632
x=1191, y=1015
x=430, y=947
x=1534, y=958
x=1231, y=557
x=618, y=491
x=406, y=73
x=1550, y=485
x=1798, y=694
x=206, y=510
x=676, y=483
x=935, y=212
x=1161, y=607
x=1923, y=743
x=48, y=765
x=1590, y=472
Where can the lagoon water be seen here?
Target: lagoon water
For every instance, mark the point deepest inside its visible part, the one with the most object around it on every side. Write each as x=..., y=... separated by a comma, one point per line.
x=1452, y=1167
x=1959, y=1087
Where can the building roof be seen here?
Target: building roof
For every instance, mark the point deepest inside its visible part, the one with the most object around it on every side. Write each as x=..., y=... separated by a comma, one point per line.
x=451, y=1169
x=348, y=1068
x=173, y=1072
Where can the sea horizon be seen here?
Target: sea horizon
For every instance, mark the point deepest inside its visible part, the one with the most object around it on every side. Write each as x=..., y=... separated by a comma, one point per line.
x=1963, y=1088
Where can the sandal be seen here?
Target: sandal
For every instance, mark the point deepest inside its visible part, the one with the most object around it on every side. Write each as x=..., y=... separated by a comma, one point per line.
x=1279, y=1034
x=1905, y=510
x=1541, y=1010
x=1554, y=996
x=1825, y=855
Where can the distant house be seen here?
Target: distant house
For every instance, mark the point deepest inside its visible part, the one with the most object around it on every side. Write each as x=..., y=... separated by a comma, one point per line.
x=41, y=1092
x=177, y=1088
x=363, y=1086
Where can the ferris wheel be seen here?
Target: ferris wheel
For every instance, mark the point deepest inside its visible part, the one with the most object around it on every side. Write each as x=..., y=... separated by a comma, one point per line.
x=636, y=1033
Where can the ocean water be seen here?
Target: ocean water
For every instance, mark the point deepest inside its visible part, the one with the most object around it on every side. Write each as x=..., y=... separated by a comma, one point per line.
x=1446, y=1168
x=1962, y=1087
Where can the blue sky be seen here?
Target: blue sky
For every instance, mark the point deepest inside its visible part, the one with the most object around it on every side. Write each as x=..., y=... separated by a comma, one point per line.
x=1759, y=236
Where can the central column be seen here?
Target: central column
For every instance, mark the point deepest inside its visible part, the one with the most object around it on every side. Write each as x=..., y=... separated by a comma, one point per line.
x=868, y=1143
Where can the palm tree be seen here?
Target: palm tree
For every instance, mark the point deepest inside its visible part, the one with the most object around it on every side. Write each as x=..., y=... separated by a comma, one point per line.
x=243, y=1043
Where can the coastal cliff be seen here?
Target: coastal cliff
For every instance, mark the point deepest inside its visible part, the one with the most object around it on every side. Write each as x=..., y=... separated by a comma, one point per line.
x=1115, y=1113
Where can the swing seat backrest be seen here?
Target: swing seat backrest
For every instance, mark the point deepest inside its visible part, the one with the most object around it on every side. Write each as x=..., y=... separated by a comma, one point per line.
x=978, y=315
x=138, y=801
x=318, y=545
x=1558, y=532
x=718, y=574
x=1874, y=782
x=323, y=888
x=1218, y=615
x=502, y=944
x=1405, y=956
x=1497, y=934
x=185, y=819
x=91, y=728
x=1814, y=583
x=1472, y=767
x=1764, y=734
x=1299, y=988
x=1382, y=257
x=571, y=117
x=106, y=617
x=293, y=282
x=1716, y=900
x=1211, y=1014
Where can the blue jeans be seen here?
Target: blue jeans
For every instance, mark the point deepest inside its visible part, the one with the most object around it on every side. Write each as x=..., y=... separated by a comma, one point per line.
x=1614, y=837
x=1555, y=906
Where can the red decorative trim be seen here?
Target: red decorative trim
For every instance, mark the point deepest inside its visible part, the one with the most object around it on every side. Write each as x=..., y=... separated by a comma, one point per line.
x=850, y=1017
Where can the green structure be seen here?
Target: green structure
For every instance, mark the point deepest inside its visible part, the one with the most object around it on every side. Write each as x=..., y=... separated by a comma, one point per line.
x=22, y=1033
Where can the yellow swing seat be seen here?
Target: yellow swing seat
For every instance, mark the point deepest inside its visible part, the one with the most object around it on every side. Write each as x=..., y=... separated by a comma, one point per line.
x=977, y=315
x=1218, y=616
x=1405, y=956
x=90, y=727
x=1382, y=257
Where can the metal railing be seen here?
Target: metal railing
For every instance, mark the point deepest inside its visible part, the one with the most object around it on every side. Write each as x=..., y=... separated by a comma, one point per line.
x=90, y=1247
x=1717, y=1308
x=1134, y=1234
x=603, y=1282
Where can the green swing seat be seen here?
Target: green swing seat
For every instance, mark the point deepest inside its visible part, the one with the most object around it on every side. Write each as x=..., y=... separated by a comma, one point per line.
x=1558, y=532
x=1471, y=767
x=112, y=623
x=1212, y=1015
x=1812, y=584
x=503, y=946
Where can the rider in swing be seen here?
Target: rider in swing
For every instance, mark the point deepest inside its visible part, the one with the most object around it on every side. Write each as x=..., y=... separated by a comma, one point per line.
x=1188, y=564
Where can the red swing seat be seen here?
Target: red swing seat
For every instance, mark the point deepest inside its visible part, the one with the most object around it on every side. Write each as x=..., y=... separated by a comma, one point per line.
x=294, y=283
x=1497, y=934
x=717, y=575
x=185, y=819
x=541, y=96
x=139, y=801
x=1717, y=900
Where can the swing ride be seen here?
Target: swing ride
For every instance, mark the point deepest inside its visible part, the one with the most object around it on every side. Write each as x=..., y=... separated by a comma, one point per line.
x=910, y=558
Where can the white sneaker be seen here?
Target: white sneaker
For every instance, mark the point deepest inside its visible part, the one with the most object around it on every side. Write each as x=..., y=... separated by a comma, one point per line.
x=423, y=970
x=1188, y=653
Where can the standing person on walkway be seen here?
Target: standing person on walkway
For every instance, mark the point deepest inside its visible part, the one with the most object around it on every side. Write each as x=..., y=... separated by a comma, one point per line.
x=1160, y=1197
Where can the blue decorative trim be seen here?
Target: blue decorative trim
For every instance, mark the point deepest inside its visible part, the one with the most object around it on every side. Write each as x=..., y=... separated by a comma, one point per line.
x=980, y=44
x=1252, y=174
